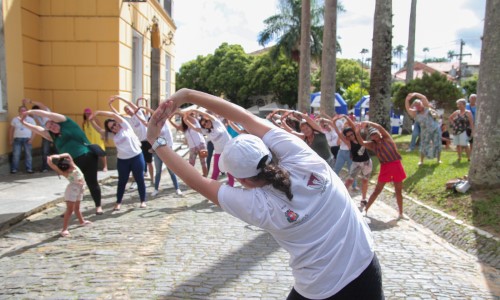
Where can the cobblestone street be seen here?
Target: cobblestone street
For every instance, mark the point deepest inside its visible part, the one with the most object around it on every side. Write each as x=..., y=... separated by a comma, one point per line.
x=183, y=247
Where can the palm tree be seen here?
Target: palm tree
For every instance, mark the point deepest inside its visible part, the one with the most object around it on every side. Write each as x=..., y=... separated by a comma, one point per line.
x=410, y=59
x=380, y=79
x=285, y=27
x=305, y=58
x=398, y=51
x=328, y=58
x=426, y=50
x=451, y=54
x=483, y=173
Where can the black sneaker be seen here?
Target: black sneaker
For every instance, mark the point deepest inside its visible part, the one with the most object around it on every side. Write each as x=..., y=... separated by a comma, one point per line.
x=13, y=171
x=30, y=171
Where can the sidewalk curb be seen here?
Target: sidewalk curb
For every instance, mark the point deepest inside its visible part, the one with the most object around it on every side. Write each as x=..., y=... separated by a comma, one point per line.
x=484, y=245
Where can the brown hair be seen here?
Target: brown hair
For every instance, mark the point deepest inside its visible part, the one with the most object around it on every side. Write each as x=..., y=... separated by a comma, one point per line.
x=278, y=177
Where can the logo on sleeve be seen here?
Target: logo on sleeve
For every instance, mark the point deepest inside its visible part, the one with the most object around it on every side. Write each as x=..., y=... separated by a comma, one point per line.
x=315, y=182
x=291, y=216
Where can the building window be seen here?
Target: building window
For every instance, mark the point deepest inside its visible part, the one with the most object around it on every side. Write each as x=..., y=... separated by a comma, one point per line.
x=167, y=4
x=137, y=65
x=168, y=76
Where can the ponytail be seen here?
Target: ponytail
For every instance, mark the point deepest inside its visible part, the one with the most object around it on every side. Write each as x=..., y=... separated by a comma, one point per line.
x=278, y=177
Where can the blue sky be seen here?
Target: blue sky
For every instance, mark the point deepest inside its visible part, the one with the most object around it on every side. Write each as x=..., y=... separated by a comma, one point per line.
x=202, y=25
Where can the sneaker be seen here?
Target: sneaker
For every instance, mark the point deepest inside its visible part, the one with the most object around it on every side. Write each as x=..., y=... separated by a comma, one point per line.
x=179, y=192
x=13, y=171
x=362, y=205
x=143, y=205
x=154, y=193
x=133, y=186
x=44, y=171
x=409, y=150
x=29, y=171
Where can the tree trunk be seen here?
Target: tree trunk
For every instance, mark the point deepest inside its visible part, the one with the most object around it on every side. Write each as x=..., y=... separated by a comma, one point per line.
x=410, y=55
x=380, y=81
x=328, y=58
x=484, y=169
x=305, y=58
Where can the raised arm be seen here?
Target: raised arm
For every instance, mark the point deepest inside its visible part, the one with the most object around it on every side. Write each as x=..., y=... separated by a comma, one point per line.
x=340, y=134
x=236, y=127
x=175, y=125
x=422, y=98
x=36, y=128
x=58, y=156
x=190, y=120
x=190, y=175
x=357, y=130
x=42, y=106
x=47, y=114
x=94, y=122
x=411, y=112
x=284, y=125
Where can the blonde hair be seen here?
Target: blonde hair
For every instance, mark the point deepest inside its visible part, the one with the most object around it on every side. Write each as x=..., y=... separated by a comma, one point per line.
x=462, y=100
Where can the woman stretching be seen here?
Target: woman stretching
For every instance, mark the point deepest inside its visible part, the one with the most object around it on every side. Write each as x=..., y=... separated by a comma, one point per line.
x=292, y=193
x=217, y=133
x=391, y=169
x=129, y=153
x=68, y=137
x=195, y=140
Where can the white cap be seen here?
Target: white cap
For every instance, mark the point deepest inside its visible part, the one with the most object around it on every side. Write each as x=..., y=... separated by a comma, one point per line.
x=241, y=156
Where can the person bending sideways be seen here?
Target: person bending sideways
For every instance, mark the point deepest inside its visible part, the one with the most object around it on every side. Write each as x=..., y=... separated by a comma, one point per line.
x=289, y=191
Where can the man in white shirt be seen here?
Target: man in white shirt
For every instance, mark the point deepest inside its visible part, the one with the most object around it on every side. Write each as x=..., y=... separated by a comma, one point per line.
x=21, y=137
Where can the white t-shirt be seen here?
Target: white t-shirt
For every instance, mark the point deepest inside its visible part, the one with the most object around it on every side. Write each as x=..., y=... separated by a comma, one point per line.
x=127, y=143
x=193, y=137
x=21, y=131
x=218, y=135
x=329, y=243
x=140, y=129
x=167, y=134
x=331, y=137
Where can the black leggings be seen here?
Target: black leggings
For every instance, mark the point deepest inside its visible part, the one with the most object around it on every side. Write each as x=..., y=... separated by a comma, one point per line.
x=368, y=285
x=88, y=165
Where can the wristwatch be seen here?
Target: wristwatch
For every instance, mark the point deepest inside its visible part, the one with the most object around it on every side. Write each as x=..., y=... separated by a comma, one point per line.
x=160, y=142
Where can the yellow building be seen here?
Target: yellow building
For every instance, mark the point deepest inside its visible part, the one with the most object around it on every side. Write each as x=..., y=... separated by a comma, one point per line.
x=73, y=54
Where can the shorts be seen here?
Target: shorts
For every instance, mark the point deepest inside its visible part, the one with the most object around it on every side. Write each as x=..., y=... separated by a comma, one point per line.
x=461, y=139
x=74, y=192
x=148, y=156
x=392, y=171
x=364, y=168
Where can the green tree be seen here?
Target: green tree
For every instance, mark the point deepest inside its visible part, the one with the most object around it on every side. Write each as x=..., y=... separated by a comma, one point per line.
x=435, y=87
x=285, y=27
x=450, y=55
x=349, y=72
x=425, y=50
x=398, y=51
x=190, y=75
x=225, y=71
x=470, y=85
x=353, y=94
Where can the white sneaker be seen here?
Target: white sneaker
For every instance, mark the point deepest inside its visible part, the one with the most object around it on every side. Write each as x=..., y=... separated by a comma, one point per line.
x=133, y=186
x=154, y=193
x=179, y=192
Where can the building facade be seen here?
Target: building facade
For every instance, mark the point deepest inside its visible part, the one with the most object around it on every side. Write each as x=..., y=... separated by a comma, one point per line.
x=73, y=54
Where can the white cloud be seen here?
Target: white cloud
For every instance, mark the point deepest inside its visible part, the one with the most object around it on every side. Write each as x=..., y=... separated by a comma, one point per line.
x=203, y=25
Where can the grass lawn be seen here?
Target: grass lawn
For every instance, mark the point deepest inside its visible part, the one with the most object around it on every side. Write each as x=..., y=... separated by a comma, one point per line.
x=427, y=184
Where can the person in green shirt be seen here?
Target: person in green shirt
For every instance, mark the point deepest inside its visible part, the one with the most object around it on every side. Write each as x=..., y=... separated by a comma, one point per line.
x=68, y=137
